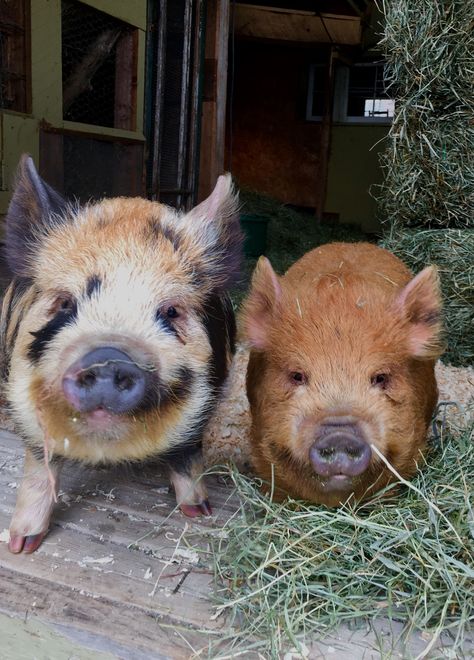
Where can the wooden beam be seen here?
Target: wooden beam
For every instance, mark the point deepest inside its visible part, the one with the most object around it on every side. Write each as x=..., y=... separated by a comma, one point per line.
x=125, y=110
x=214, y=101
x=296, y=26
x=325, y=143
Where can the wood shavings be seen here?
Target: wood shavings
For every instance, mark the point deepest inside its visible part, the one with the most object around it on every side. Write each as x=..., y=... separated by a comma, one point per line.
x=5, y=536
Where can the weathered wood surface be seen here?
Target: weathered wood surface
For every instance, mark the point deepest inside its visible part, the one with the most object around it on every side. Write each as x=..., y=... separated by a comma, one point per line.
x=119, y=563
x=122, y=574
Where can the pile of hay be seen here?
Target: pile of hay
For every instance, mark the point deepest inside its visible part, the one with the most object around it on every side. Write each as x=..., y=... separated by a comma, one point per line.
x=452, y=250
x=292, y=572
x=426, y=202
x=429, y=165
x=292, y=233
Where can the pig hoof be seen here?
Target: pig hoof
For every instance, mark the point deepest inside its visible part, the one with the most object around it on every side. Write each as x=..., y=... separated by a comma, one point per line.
x=194, y=510
x=26, y=543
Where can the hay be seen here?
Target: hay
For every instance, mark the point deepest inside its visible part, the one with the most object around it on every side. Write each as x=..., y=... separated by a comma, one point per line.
x=292, y=233
x=292, y=572
x=452, y=250
x=429, y=166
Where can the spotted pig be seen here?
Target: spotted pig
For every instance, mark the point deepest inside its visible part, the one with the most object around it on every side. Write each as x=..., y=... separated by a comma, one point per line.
x=117, y=333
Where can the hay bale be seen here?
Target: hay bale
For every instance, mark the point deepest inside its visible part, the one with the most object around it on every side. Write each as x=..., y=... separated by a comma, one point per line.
x=452, y=251
x=429, y=165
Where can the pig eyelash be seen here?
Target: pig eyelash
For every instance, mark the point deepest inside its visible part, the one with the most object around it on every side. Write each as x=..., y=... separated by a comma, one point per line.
x=380, y=380
x=298, y=378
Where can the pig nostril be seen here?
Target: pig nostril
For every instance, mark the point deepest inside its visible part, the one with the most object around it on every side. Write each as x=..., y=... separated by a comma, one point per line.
x=326, y=453
x=87, y=379
x=123, y=382
x=353, y=452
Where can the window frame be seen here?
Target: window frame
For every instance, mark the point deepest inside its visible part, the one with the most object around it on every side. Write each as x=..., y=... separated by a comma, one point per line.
x=341, y=95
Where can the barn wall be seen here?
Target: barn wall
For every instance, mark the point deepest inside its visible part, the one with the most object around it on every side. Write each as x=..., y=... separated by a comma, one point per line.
x=353, y=169
x=274, y=150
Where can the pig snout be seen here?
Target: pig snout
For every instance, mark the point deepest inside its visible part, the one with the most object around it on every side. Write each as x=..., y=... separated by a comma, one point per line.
x=106, y=378
x=339, y=449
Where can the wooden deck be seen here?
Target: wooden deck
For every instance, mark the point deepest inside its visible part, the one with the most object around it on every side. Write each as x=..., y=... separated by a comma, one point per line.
x=120, y=575
x=118, y=565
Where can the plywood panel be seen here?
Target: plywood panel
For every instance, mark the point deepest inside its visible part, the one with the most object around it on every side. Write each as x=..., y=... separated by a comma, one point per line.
x=296, y=26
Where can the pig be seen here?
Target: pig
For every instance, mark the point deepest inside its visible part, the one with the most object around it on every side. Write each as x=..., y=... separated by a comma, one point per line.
x=117, y=332
x=342, y=354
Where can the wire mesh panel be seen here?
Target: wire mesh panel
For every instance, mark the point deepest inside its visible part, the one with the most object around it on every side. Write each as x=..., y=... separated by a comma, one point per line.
x=98, y=67
x=176, y=53
x=14, y=55
x=86, y=167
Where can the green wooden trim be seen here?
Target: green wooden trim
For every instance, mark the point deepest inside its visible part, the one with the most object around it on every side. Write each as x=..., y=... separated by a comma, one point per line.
x=92, y=129
x=130, y=11
x=141, y=71
x=46, y=69
x=20, y=135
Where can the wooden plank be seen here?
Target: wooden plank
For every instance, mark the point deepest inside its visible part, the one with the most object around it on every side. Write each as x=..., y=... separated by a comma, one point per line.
x=297, y=26
x=130, y=578
x=114, y=623
x=212, y=149
x=125, y=111
x=325, y=141
x=168, y=568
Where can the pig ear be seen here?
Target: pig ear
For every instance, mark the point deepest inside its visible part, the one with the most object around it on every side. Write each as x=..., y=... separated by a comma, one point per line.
x=420, y=303
x=29, y=215
x=262, y=302
x=214, y=229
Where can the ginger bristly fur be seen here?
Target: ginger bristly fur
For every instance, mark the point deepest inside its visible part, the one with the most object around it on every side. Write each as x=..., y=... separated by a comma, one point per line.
x=344, y=318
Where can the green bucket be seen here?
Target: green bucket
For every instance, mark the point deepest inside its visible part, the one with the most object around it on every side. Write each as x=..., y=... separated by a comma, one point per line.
x=255, y=231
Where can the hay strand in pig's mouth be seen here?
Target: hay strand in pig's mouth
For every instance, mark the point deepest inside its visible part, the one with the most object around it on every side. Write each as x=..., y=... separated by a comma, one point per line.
x=288, y=573
x=105, y=363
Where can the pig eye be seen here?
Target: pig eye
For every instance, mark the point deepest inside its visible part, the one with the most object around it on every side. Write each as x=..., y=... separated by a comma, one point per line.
x=298, y=378
x=63, y=303
x=172, y=313
x=66, y=305
x=380, y=380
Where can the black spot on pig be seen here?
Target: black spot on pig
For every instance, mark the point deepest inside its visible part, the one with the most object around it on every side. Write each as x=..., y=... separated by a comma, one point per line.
x=93, y=285
x=182, y=457
x=177, y=391
x=219, y=321
x=156, y=229
x=48, y=332
x=12, y=316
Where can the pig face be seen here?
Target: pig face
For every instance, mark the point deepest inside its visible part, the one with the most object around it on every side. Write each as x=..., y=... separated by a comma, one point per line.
x=342, y=359
x=117, y=331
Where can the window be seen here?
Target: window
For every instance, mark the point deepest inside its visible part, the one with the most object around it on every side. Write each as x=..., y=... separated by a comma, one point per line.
x=15, y=56
x=359, y=94
x=99, y=67
x=316, y=91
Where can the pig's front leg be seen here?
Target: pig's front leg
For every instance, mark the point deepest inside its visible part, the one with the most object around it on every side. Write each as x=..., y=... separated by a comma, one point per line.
x=186, y=478
x=34, y=504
